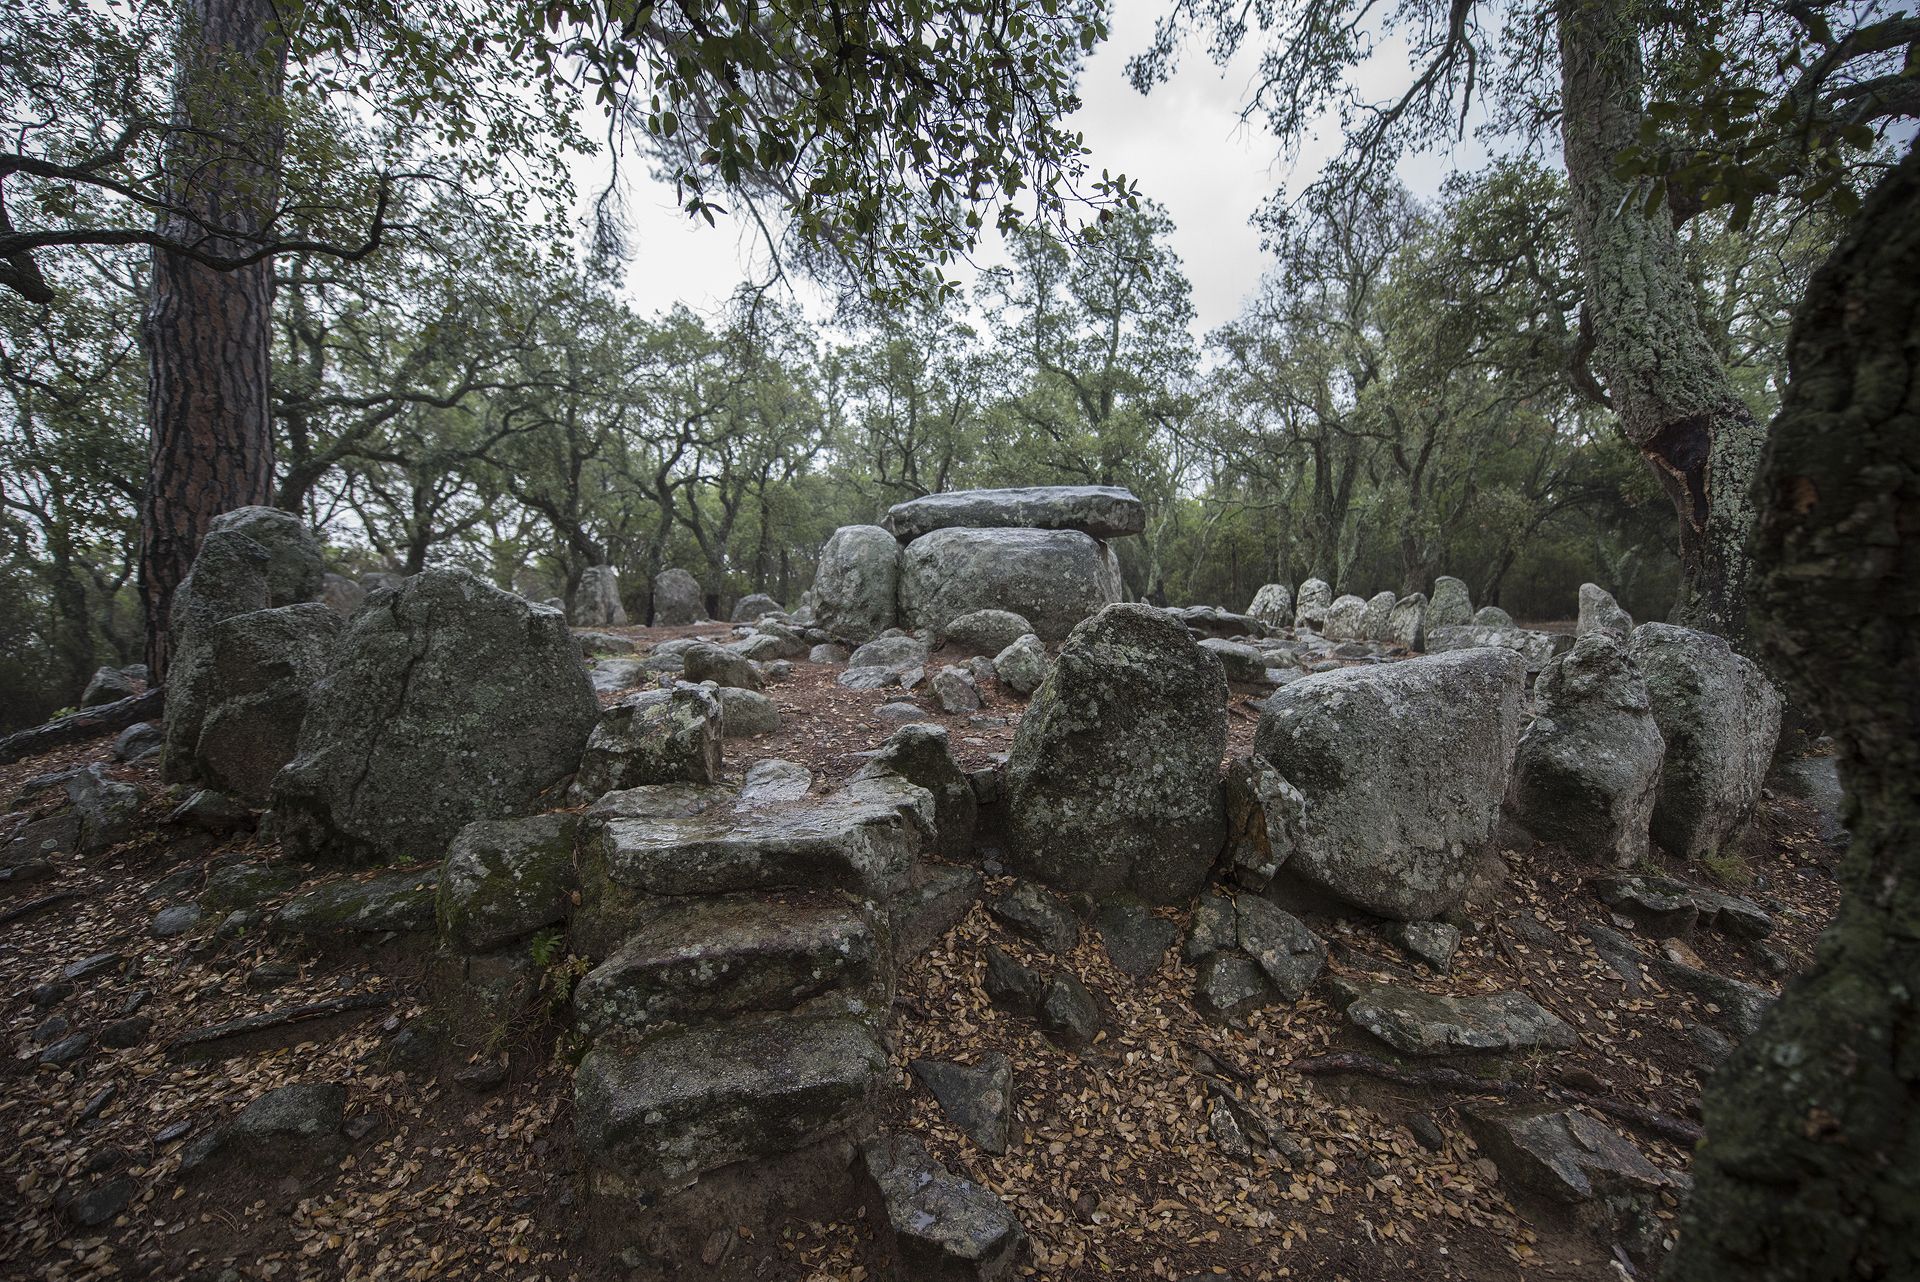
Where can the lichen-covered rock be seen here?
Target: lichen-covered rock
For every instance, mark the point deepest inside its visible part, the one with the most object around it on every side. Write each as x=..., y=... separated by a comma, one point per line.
x=1113, y=782
x=1264, y=812
x=596, y=604
x=506, y=878
x=954, y=690
x=237, y=696
x=1564, y=1154
x=288, y=1129
x=1407, y=623
x=921, y=754
x=977, y=1098
x=1241, y=663
x=107, y=808
x=1720, y=717
x=1287, y=953
x=1373, y=619
x=895, y=654
x=1212, y=621
x=1346, y=619
x=985, y=631
x=1022, y=666
x=447, y=701
x=753, y=606
x=1273, y=605
x=705, y=661
x=654, y=1116
x=1418, y=1023
x=1055, y=578
x=401, y=902
x=1535, y=647
x=677, y=599
x=1403, y=767
x=1452, y=604
x=932, y=1225
x=295, y=570
x=656, y=736
x=748, y=712
x=1599, y=612
x=107, y=685
x=1587, y=769
x=1310, y=607
x=856, y=587
x=1102, y=511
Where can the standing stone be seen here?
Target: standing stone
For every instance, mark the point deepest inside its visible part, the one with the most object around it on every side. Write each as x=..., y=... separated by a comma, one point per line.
x=1273, y=606
x=1373, y=620
x=920, y=754
x=1588, y=769
x=1407, y=622
x=1022, y=666
x=448, y=701
x=1054, y=578
x=1599, y=612
x=855, y=589
x=1452, y=604
x=1720, y=717
x=749, y=608
x=657, y=736
x=677, y=599
x=1113, y=782
x=1310, y=608
x=1403, y=768
x=1346, y=619
x=504, y=879
x=295, y=569
x=107, y=685
x=597, y=603
x=1100, y=511
x=1492, y=616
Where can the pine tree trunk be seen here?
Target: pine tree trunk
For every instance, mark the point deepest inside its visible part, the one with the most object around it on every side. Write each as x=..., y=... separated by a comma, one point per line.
x=1811, y=1168
x=209, y=332
x=1673, y=397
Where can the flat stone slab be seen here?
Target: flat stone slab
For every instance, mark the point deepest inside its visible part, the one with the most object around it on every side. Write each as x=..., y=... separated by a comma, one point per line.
x=1103, y=511
x=1566, y=1155
x=661, y=1114
x=397, y=901
x=1418, y=1023
x=937, y=1226
x=1667, y=906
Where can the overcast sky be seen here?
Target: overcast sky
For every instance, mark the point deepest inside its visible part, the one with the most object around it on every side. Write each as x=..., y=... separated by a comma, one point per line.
x=1184, y=144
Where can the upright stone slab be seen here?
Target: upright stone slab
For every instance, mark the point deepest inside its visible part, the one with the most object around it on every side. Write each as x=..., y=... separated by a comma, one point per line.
x=1114, y=780
x=597, y=603
x=1720, y=717
x=1373, y=620
x=1452, y=604
x=295, y=570
x=1273, y=605
x=1102, y=511
x=1407, y=622
x=855, y=589
x=448, y=701
x=656, y=736
x=1599, y=612
x=1053, y=578
x=677, y=599
x=1587, y=769
x=1346, y=619
x=1310, y=607
x=1403, y=767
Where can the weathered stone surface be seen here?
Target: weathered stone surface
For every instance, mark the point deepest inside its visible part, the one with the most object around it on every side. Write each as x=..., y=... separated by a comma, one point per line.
x=139, y=741
x=1102, y=511
x=921, y=754
x=1736, y=1004
x=288, y=1129
x=1407, y=622
x=1492, y=616
x=1022, y=666
x=753, y=606
x=1587, y=769
x=828, y=653
x=895, y=654
x=237, y=696
x=1373, y=619
x=1273, y=605
x=1037, y=916
x=1055, y=578
x=1452, y=604
x=1665, y=907
x=856, y=587
x=1417, y=1023
x=1068, y=1012
x=1011, y=986
x=728, y=955
x=954, y=690
x=1241, y=663
x=295, y=569
x=1213, y=926
x=175, y=920
x=706, y=661
x=1564, y=1154
x=748, y=712
x=1136, y=941
x=977, y=1098
x=247, y=884
x=684, y=841
x=400, y=901
x=932, y=1225
x=656, y=736
x=1433, y=942
x=1402, y=767
x=609, y=676
x=1310, y=607
x=108, y=685
x=1720, y=717
x=1346, y=619
x=1113, y=782
x=342, y=595
x=447, y=701
x=1535, y=647
x=1210, y=621
x=506, y=878
x=1230, y=984
x=1599, y=612
x=985, y=631
x=773, y=779
x=1287, y=953
x=592, y=643
x=108, y=810
x=678, y=599
x=932, y=901
x=688, y=1102
x=1264, y=814
x=596, y=603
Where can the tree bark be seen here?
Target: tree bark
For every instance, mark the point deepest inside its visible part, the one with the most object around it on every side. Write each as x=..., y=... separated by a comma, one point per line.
x=1674, y=400
x=1812, y=1165
x=209, y=333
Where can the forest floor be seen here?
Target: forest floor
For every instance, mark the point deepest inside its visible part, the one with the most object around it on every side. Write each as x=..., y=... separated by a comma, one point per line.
x=1111, y=1169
